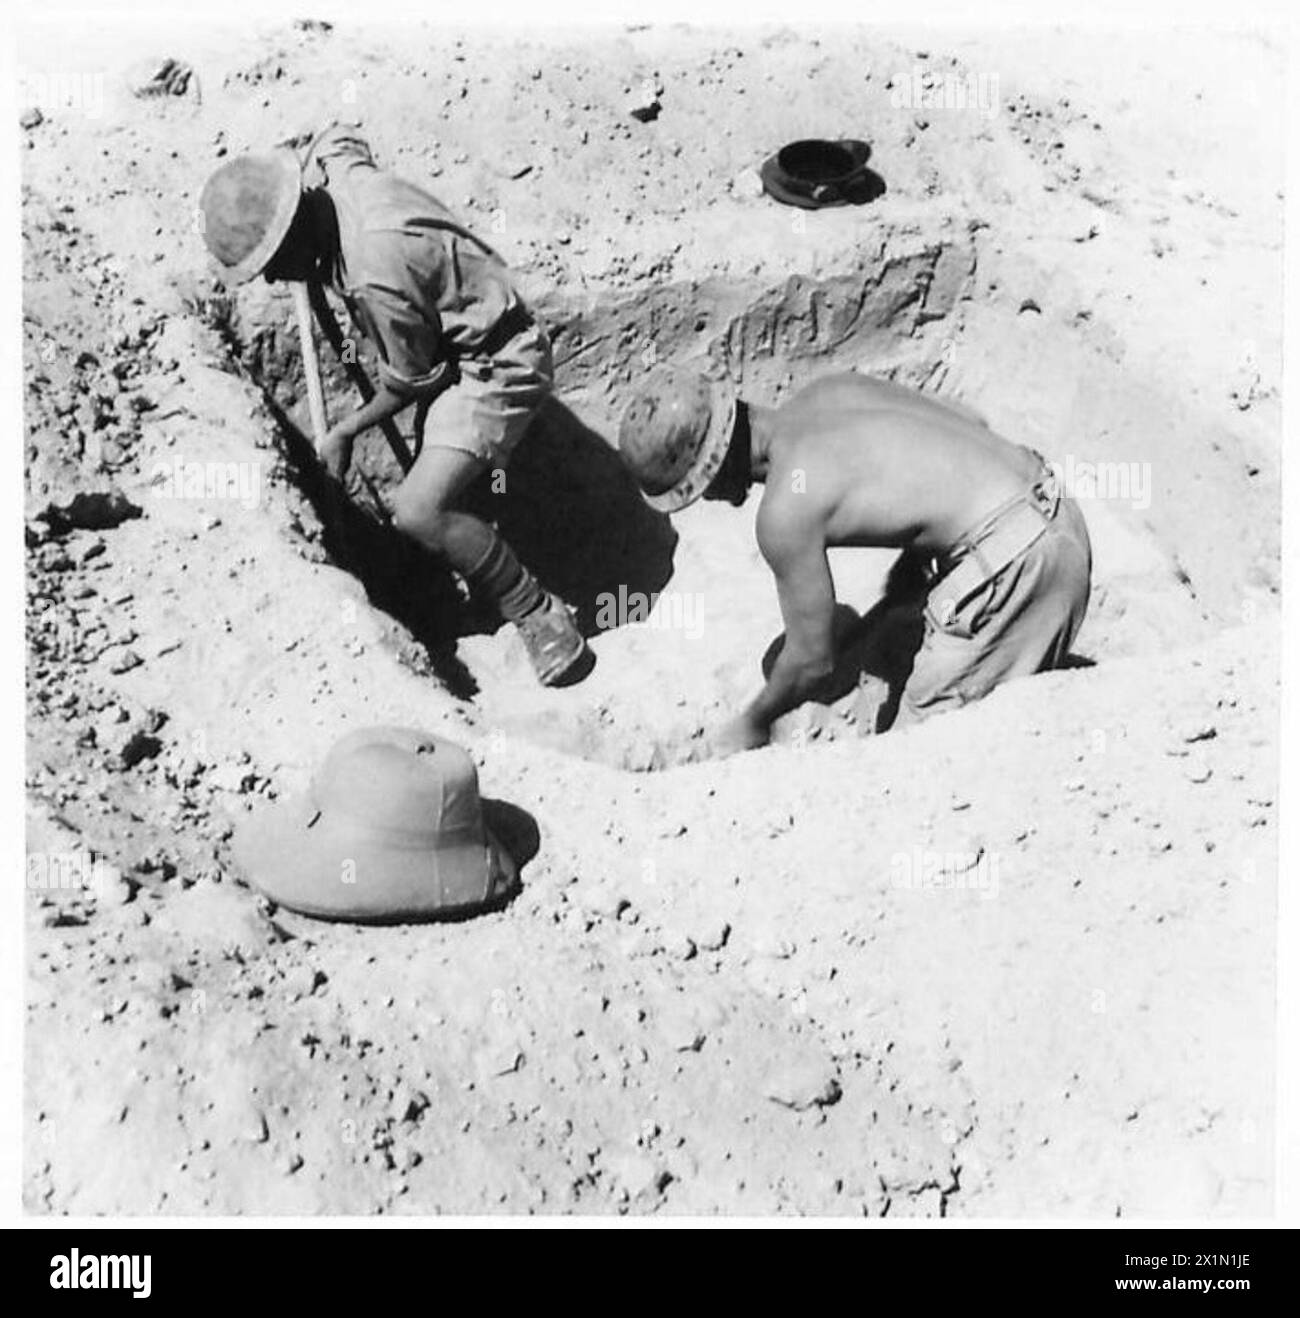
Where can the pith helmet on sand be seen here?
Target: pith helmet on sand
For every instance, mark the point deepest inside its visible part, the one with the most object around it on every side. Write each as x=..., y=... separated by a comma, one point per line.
x=392, y=829
x=674, y=435
x=247, y=207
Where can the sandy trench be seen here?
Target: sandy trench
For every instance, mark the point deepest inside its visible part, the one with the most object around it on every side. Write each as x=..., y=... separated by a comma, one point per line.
x=724, y=988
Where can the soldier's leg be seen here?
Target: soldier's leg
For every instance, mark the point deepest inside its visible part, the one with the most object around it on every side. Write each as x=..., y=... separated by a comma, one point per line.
x=425, y=509
x=471, y=431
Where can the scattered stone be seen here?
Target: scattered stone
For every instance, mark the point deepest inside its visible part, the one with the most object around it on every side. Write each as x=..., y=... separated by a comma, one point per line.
x=233, y=778
x=603, y=899
x=634, y=1174
x=680, y=1030
x=679, y=945
x=56, y=919
x=512, y=168
x=813, y=1082
x=711, y=932
x=31, y=118
x=494, y=1060
x=747, y=185
x=83, y=549
x=303, y=981
x=115, y=888
x=120, y=659
x=409, y=1104
x=160, y=75
x=642, y=101
x=253, y=1127
x=97, y=510
x=139, y=745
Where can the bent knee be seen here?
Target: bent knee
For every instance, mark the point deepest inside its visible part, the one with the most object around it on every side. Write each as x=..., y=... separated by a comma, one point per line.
x=420, y=519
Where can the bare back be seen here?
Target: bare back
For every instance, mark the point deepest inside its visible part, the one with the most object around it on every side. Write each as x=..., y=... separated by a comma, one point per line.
x=873, y=463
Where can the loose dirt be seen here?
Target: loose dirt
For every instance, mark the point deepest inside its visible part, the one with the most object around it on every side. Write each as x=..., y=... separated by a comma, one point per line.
x=1018, y=961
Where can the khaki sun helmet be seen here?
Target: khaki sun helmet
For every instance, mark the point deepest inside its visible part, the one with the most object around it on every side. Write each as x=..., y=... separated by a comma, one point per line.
x=391, y=829
x=247, y=207
x=674, y=435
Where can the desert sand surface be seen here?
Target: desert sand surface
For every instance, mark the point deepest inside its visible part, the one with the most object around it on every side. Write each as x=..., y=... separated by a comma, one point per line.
x=726, y=987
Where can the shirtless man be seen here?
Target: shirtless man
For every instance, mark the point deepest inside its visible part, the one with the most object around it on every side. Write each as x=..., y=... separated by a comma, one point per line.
x=854, y=461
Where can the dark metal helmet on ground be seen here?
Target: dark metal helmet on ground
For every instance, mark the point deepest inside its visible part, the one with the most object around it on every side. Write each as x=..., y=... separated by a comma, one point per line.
x=392, y=829
x=247, y=207
x=674, y=435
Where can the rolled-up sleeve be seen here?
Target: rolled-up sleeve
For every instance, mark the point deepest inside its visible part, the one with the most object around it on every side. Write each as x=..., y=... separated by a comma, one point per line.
x=335, y=150
x=412, y=360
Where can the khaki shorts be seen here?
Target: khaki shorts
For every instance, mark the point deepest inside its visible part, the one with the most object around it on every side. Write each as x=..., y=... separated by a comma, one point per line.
x=1022, y=620
x=487, y=412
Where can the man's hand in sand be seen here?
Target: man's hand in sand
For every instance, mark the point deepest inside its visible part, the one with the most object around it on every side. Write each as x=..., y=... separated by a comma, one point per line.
x=738, y=734
x=336, y=453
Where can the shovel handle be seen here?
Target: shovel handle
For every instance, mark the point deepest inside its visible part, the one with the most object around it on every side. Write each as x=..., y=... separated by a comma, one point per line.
x=310, y=365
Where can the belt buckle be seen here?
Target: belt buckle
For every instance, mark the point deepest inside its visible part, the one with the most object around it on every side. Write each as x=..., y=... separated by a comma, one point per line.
x=1047, y=494
x=941, y=564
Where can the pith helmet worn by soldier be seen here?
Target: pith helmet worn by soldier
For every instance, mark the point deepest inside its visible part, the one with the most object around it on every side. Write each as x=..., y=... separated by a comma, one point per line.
x=392, y=829
x=248, y=205
x=674, y=435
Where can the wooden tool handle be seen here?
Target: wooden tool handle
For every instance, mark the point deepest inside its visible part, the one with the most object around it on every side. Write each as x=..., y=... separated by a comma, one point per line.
x=330, y=328
x=310, y=365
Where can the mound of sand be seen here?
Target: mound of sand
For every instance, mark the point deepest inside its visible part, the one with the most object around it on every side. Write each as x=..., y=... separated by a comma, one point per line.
x=1018, y=961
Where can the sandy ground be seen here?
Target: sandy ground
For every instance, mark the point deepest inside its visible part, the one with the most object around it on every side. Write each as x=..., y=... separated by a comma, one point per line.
x=726, y=987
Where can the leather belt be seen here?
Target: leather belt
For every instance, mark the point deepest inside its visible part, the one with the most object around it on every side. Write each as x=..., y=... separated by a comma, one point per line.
x=979, y=556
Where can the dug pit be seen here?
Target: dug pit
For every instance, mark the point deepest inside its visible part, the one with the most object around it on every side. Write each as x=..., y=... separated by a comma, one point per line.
x=682, y=616
x=721, y=945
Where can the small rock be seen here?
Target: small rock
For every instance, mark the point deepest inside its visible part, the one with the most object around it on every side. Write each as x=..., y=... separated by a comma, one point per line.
x=802, y=1085
x=1199, y=731
x=680, y=1030
x=603, y=899
x=116, y=889
x=127, y=744
x=498, y=1059
x=512, y=168
x=409, y=1103
x=633, y=1174
x=31, y=118
x=747, y=185
x=253, y=1127
x=679, y=945
x=160, y=76
x=120, y=659
x=303, y=981
x=97, y=510
x=642, y=102
x=231, y=777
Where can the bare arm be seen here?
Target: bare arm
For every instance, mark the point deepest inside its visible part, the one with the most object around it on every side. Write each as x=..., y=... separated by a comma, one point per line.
x=384, y=404
x=793, y=543
x=336, y=451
